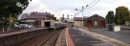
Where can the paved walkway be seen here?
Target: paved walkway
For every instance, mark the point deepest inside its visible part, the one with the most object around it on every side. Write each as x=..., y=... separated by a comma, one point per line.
x=123, y=35
x=82, y=37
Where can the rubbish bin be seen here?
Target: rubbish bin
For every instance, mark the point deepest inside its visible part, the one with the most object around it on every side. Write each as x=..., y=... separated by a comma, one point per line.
x=117, y=28
x=110, y=28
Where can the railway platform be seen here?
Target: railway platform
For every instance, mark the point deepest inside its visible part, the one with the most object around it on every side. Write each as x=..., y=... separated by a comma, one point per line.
x=70, y=36
x=73, y=36
x=19, y=32
x=19, y=37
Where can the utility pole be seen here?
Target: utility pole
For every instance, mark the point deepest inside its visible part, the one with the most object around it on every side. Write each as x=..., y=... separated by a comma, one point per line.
x=82, y=10
x=9, y=29
x=82, y=18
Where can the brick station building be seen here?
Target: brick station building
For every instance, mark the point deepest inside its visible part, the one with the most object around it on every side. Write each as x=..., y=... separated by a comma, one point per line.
x=38, y=19
x=94, y=21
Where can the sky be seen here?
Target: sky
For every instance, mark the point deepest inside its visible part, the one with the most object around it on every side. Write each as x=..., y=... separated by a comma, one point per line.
x=60, y=7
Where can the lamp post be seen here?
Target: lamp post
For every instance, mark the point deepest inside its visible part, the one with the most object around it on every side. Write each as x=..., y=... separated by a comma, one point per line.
x=82, y=10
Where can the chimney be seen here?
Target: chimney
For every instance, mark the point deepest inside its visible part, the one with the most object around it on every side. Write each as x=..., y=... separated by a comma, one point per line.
x=63, y=15
x=68, y=16
x=46, y=12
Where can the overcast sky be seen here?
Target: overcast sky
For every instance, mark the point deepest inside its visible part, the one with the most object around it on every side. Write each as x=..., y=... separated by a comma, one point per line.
x=59, y=7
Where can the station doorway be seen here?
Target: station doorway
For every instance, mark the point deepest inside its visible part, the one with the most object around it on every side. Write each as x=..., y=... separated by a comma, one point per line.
x=47, y=24
x=89, y=24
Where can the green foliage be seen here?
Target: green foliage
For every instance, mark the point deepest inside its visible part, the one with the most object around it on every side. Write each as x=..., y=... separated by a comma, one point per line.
x=12, y=8
x=122, y=15
x=110, y=17
x=3, y=24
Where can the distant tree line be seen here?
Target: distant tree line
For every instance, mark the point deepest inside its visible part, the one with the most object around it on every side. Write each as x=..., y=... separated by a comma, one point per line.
x=121, y=16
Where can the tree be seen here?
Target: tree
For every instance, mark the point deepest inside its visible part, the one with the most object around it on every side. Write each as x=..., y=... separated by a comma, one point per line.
x=122, y=15
x=11, y=9
x=110, y=17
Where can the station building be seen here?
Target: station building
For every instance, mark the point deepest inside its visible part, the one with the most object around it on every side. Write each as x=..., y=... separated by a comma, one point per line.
x=38, y=19
x=94, y=21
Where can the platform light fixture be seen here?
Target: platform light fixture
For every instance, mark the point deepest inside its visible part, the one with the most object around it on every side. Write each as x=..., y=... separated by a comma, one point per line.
x=82, y=11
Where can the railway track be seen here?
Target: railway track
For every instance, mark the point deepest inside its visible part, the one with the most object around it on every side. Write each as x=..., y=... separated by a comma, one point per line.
x=46, y=39
x=50, y=41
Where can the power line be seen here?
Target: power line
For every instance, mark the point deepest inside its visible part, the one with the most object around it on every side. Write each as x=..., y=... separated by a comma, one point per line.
x=94, y=4
x=90, y=3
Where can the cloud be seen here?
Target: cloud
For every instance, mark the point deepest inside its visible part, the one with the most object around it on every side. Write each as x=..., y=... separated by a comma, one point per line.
x=36, y=5
x=59, y=7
